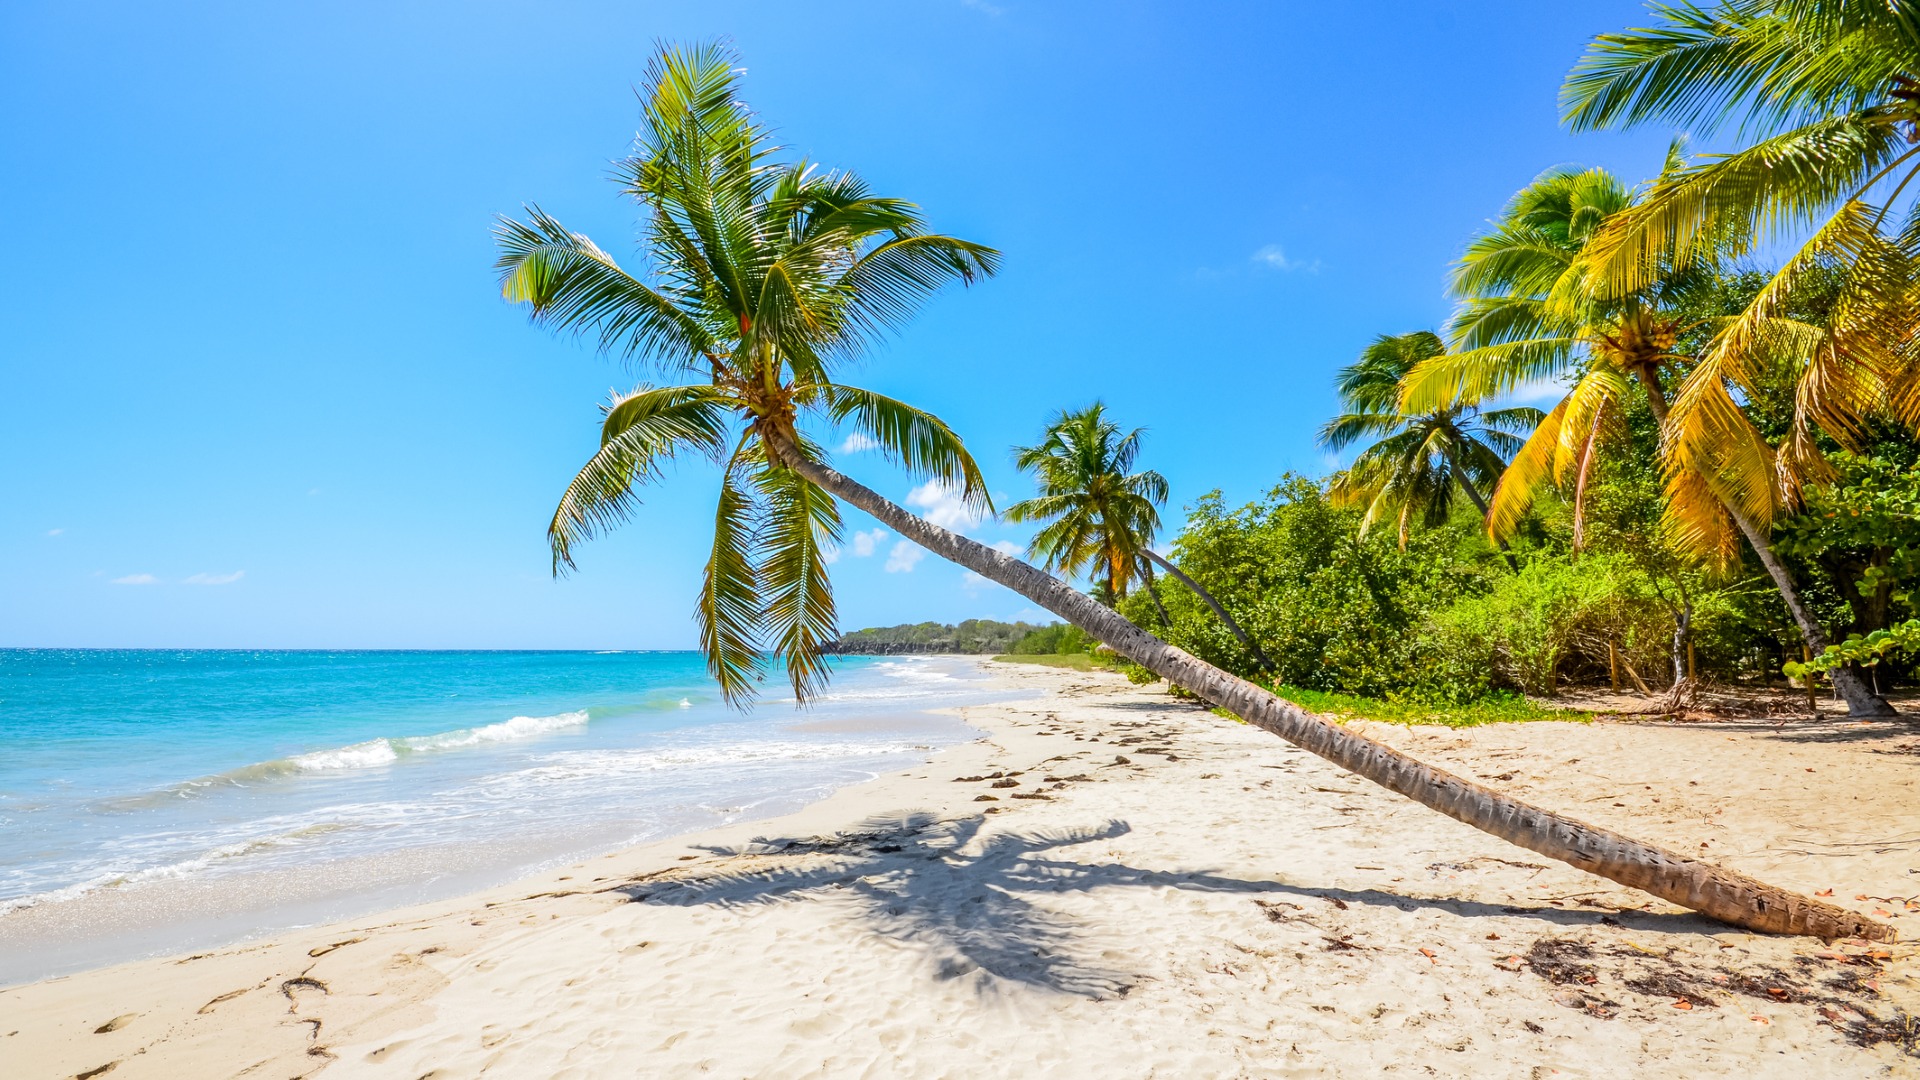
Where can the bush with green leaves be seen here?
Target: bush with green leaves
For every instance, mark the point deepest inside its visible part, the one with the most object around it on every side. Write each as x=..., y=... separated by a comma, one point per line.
x=1558, y=612
x=1336, y=610
x=1058, y=639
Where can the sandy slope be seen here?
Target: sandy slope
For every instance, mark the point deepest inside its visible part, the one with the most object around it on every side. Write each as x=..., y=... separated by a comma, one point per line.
x=1215, y=904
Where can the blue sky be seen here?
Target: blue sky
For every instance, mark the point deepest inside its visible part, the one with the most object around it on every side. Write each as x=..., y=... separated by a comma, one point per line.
x=260, y=389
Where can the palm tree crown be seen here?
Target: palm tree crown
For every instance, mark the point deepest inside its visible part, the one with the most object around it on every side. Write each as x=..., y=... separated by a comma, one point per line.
x=766, y=276
x=1829, y=88
x=1416, y=462
x=1528, y=312
x=1099, y=516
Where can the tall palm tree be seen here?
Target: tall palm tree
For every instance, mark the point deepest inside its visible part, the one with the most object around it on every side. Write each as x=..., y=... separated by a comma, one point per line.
x=1417, y=462
x=767, y=276
x=1828, y=87
x=1531, y=309
x=1099, y=516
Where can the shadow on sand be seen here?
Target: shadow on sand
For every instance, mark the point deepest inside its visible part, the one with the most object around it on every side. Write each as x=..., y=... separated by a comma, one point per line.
x=970, y=900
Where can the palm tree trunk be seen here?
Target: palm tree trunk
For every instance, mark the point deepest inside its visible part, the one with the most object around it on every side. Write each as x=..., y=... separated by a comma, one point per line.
x=1166, y=621
x=1721, y=894
x=1860, y=698
x=1259, y=657
x=1480, y=504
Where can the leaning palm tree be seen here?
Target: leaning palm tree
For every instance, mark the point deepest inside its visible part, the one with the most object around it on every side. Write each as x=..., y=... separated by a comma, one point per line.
x=1531, y=309
x=1416, y=462
x=1099, y=516
x=768, y=276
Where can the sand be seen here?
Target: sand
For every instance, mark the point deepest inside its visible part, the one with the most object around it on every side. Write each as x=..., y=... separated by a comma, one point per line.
x=1134, y=887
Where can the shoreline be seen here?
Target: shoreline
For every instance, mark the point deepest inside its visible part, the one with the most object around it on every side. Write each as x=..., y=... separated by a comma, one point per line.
x=345, y=824
x=1157, y=891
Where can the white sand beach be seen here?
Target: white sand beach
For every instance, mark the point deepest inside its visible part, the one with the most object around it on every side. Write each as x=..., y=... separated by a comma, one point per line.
x=1109, y=883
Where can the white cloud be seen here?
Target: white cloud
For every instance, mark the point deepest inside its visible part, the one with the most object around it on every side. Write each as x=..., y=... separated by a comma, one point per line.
x=137, y=579
x=1007, y=547
x=215, y=579
x=857, y=442
x=860, y=545
x=1274, y=257
x=942, y=505
x=55, y=532
x=904, y=557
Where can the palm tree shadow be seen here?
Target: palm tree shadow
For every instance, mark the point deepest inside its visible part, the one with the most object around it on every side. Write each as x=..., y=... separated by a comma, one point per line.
x=969, y=900
x=939, y=885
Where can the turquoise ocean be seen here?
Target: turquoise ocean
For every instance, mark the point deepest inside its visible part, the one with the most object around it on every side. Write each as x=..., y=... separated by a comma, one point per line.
x=156, y=801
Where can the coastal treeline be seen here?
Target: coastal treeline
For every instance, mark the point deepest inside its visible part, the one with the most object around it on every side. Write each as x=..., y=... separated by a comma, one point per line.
x=966, y=636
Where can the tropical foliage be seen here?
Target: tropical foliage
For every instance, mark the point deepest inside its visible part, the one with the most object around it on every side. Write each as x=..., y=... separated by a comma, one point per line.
x=1416, y=463
x=1826, y=88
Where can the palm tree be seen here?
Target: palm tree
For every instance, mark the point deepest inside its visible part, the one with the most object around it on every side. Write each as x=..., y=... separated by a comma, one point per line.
x=1530, y=310
x=1829, y=88
x=1416, y=462
x=768, y=276
x=1098, y=515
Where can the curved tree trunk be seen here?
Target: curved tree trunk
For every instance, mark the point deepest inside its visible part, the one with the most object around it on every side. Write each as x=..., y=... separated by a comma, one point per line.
x=1860, y=698
x=1166, y=621
x=1721, y=894
x=1480, y=504
x=1259, y=657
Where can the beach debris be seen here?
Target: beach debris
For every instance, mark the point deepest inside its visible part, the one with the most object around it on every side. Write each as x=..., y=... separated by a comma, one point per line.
x=968, y=779
x=1598, y=1007
x=986, y=798
x=301, y=982
x=1562, y=960
x=1273, y=909
x=91, y=1073
x=1429, y=954
x=323, y=950
x=1032, y=795
x=1006, y=783
x=228, y=996
x=116, y=1023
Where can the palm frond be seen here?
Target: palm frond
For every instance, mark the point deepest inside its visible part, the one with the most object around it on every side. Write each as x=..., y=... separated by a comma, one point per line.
x=730, y=611
x=572, y=285
x=918, y=441
x=1532, y=466
x=641, y=432
x=801, y=524
x=1729, y=201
